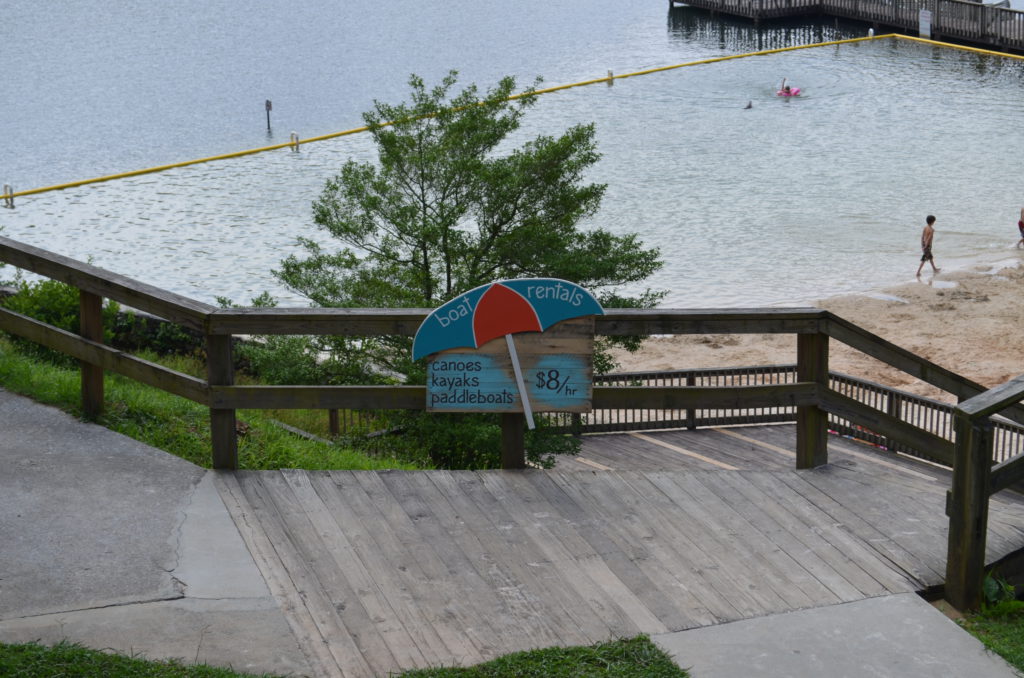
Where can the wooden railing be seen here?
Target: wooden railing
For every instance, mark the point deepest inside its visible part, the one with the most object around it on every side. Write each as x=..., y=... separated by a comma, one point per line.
x=924, y=413
x=959, y=19
x=810, y=394
x=975, y=479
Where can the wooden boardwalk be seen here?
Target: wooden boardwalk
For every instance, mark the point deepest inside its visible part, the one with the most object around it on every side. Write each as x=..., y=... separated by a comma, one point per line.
x=979, y=23
x=384, y=571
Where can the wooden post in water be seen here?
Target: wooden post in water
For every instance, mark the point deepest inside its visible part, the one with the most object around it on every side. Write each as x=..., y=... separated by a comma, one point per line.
x=967, y=508
x=811, y=421
x=513, y=441
x=220, y=371
x=90, y=326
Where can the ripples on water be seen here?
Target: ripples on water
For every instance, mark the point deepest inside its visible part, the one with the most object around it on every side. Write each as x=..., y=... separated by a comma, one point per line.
x=786, y=202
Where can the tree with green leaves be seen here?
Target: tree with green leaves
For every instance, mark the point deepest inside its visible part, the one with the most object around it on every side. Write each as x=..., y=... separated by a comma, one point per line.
x=449, y=206
x=452, y=204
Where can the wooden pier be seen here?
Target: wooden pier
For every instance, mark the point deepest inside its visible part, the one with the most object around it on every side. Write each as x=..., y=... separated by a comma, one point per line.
x=643, y=533
x=975, y=23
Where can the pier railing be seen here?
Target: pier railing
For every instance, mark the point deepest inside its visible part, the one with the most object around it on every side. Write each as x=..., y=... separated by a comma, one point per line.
x=973, y=22
x=812, y=393
x=928, y=414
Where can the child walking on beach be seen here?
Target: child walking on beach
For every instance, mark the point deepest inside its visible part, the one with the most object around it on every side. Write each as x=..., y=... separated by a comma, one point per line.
x=926, y=245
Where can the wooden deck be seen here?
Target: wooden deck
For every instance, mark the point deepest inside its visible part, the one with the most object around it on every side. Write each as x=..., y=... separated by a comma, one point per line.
x=973, y=22
x=652, y=532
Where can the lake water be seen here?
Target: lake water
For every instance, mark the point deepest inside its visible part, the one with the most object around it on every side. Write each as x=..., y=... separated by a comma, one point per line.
x=785, y=202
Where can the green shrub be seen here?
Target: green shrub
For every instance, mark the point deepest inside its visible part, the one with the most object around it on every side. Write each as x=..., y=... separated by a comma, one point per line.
x=997, y=590
x=466, y=440
x=57, y=304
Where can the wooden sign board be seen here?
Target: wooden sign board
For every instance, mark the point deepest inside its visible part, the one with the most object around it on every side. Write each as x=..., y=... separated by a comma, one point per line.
x=557, y=367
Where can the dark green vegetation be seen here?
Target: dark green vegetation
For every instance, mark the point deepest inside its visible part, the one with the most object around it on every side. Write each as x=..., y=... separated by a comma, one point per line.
x=632, y=658
x=1001, y=628
x=449, y=206
x=177, y=425
x=622, y=659
x=181, y=427
x=68, y=660
x=1000, y=624
x=152, y=416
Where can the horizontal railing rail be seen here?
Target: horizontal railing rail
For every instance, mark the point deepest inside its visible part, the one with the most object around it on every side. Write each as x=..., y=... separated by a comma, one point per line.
x=928, y=415
x=87, y=278
x=809, y=388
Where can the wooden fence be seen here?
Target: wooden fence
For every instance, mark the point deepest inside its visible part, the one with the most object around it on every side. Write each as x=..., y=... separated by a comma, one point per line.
x=925, y=413
x=963, y=20
x=975, y=477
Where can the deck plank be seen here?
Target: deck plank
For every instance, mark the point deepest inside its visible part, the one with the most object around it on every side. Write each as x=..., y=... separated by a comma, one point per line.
x=891, y=550
x=476, y=524
x=859, y=563
x=343, y=646
x=340, y=563
x=768, y=540
x=398, y=578
x=382, y=571
x=566, y=542
x=275, y=574
x=508, y=543
x=489, y=591
x=601, y=533
x=405, y=552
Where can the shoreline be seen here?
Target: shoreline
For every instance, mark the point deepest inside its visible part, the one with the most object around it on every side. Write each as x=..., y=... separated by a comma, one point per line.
x=965, y=320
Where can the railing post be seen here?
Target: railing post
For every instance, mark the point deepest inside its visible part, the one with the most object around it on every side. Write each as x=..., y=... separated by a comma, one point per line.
x=333, y=422
x=894, y=408
x=90, y=326
x=967, y=508
x=513, y=441
x=691, y=414
x=576, y=424
x=811, y=421
x=220, y=371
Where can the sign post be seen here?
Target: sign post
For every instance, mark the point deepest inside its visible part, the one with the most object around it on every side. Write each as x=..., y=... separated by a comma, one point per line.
x=513, y=346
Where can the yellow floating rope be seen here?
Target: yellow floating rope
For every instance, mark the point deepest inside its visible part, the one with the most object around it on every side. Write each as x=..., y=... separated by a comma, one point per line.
x=609, y=78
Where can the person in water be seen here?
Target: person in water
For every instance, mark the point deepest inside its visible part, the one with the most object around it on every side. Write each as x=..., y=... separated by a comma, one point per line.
x=785, y=89
x=927, y=235
x=1020, y=227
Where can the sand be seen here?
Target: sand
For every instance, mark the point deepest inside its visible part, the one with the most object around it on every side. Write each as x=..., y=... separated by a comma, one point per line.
x=969, y=322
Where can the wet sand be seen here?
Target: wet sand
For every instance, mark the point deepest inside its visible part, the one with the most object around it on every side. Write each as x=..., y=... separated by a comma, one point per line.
x=967, y=321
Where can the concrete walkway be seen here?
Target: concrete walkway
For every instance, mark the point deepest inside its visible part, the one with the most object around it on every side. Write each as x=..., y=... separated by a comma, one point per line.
x=116, y=545
x=113, y=544
x=899, y=636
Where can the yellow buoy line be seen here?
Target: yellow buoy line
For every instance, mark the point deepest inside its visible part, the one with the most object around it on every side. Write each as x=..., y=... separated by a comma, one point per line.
x=8, y=194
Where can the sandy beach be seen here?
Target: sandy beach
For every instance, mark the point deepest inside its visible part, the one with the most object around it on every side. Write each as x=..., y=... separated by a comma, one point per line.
x=967, y=321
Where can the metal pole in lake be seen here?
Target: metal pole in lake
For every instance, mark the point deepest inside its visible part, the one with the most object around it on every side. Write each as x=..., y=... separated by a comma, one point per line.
x=269, y=107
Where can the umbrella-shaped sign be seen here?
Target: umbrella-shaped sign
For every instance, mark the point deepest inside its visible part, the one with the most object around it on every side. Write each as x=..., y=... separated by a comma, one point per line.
x=500, y=309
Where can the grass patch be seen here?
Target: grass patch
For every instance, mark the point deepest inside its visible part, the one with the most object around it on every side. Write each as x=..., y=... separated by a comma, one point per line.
x=1000, y=628
x=633, y=657
x=69, y=660
x=174, y=424
x=630, y=658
